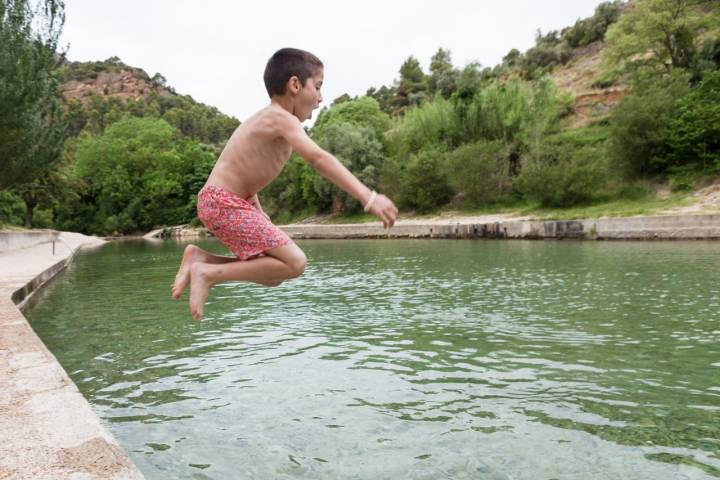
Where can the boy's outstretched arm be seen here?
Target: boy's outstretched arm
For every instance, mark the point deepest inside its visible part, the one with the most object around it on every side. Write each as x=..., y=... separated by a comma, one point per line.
x=330, y=167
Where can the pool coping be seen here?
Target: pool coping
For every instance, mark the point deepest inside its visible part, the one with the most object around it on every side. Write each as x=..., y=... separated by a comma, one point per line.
x=658, y=227
x=703, y=226
x=48, y=428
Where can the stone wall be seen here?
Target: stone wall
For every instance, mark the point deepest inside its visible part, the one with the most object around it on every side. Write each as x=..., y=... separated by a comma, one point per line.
x=628, y=228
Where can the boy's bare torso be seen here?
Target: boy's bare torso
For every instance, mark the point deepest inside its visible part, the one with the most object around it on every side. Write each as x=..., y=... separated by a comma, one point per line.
x=253, y=156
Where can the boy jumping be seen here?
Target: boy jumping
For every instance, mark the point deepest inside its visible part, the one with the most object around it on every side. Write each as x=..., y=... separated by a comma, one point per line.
x=254, y=155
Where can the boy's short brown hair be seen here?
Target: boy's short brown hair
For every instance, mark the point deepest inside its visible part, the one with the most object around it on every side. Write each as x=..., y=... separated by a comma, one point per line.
x=286, y=63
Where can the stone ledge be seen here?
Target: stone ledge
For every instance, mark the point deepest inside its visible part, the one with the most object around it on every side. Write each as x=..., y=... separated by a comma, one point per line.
x=676, y=227
x=48, y=429
x=15, y=240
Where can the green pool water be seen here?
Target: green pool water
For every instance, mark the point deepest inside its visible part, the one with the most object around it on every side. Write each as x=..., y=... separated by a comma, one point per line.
x=418, y=359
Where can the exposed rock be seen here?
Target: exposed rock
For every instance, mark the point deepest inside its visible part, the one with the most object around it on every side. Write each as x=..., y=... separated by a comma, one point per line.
x=129, y=83
x=578, y=77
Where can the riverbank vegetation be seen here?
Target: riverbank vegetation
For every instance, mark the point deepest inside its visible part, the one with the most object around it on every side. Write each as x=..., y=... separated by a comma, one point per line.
x=512, y=137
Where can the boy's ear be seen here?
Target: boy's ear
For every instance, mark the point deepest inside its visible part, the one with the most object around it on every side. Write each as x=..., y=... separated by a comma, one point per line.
x=294, y=84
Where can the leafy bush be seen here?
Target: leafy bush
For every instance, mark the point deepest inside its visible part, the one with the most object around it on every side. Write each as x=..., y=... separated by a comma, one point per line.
x=539, y=60
x=84, y=70
x=694, y=132
x=594, y=134
x=480, y=171
x=432, y=124
x=495, y=113
x=512, y=112
x=640, y=123
x=561, y=176
x=12, y=209
x=137, y=175
x=292, y=192
x=357, y=149
x=423, y=183
x=592, y=29
x=363, y=112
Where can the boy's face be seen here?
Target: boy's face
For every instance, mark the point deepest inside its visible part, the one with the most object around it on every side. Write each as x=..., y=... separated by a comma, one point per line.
x=309, y=96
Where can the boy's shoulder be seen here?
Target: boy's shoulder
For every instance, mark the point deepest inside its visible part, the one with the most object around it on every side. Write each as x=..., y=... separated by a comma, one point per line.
x=276, y=118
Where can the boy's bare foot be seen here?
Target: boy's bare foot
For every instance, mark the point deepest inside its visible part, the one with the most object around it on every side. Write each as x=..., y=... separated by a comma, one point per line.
x=191, y=255
x=199, y=288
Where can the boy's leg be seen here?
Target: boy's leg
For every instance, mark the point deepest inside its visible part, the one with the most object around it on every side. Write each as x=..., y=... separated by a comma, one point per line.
x=280, y=263
x=193, y=254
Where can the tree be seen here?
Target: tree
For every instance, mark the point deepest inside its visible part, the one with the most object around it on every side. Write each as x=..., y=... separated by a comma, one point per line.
x=364, y=111
x=479, y=171
x=443, y=76
x=384, y=96
x=341, y=99
x=28, y=88
x=468, y=82
x=359, y=150
x=640, y=123
x=44, y=180
x=662, y=34
x=695, y=131
x=512, y=57
x=138, y=174
x=353, y=131
x=411, y=86
x=593, y=28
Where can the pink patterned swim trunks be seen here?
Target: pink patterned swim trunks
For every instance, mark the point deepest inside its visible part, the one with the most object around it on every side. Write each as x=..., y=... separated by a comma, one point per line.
x=238, y=223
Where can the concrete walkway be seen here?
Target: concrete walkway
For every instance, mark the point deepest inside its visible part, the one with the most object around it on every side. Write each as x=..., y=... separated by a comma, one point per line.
x=47, y=428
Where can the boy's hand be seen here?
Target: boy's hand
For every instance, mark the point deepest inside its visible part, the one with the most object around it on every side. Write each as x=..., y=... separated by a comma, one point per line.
x=385, y=209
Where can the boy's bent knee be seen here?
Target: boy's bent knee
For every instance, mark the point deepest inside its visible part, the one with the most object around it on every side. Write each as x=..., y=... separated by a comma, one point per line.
x=297, y=265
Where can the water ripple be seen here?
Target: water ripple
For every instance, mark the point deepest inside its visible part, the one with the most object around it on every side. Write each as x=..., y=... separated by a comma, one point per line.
x=406, y=359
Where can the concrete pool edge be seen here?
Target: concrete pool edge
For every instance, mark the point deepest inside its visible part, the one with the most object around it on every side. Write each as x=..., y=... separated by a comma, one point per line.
x=658, y=227
x=661, y=227
x=48, y=428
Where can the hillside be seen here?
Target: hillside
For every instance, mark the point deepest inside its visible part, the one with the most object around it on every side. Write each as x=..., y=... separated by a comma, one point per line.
x=110, y=78
x=99, y=93
x=579, y=77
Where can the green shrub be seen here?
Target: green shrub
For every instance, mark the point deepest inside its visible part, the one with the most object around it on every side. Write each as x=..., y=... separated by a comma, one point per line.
x=12, y=209
x=498, y=112
x=358, y=149
x=596, y=134
x=593, y=28
x=42, y=218
x=694, y=133
x=137, y=175
x=433, y=124
x=633, y=190
x=423, y=181
x=561, y=176
x=480, y=171
x=514, y=112
x=681, y=182
x=539, y=60
x=362, y=112
x=292, y=191
x=640, y=124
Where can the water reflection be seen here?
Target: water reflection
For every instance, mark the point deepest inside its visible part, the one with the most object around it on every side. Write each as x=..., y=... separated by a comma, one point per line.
x=406, y=359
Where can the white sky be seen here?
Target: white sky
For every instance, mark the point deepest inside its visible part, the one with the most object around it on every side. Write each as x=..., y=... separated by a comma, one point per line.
x=216, y=50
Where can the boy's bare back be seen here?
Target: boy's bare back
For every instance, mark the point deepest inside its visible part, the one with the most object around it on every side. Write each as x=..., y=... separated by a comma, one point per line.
x=255, y=153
